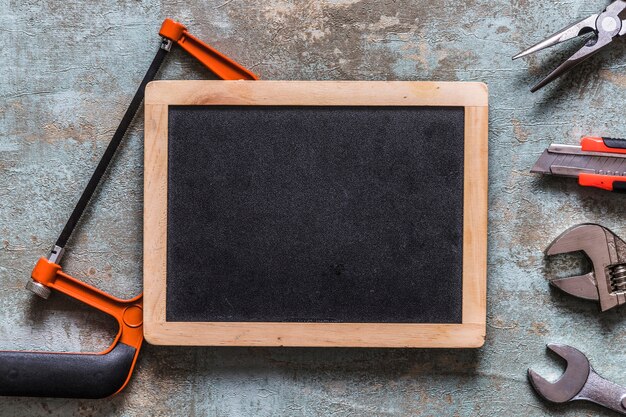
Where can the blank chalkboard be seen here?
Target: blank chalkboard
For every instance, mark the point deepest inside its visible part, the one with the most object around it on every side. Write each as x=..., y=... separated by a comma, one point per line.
x=291, y=213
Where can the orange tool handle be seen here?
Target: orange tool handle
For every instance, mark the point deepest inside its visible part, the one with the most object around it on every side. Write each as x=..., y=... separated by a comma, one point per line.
x=98, y=375
x=604, y=145
x=605, y=182
x=128, y=313
x=220, y=64
x=76, y=375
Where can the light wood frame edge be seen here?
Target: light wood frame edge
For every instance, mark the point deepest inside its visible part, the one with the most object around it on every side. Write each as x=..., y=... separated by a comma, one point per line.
x=471, y=333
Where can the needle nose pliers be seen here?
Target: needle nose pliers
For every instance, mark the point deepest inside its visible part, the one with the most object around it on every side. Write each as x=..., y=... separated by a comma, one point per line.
x=605, y=27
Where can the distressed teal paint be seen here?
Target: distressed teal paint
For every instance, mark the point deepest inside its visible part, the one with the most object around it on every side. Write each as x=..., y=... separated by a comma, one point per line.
x=68, y=70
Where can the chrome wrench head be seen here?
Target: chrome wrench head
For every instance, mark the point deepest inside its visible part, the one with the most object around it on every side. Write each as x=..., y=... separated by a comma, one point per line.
x=579, y=382
x=571, y=383
x=605, y=250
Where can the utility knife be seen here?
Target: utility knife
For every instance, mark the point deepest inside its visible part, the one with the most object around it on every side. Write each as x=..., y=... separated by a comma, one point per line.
x=597, y=162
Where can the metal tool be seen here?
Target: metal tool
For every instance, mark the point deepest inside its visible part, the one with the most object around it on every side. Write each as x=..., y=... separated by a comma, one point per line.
x=579, y=383
x=97, y=375
x=170, y=32
x=597, y=162
x=606, y=283
x=604, y=27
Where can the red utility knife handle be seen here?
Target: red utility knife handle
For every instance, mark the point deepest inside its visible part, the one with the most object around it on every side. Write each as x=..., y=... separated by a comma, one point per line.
x=606, y=182
x=220, y=64
x=604, y=145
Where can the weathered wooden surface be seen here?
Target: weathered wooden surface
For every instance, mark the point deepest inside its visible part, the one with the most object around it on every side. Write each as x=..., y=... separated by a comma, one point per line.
x=68, y=70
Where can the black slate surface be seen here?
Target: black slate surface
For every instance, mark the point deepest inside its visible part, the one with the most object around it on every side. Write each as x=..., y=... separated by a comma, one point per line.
x=315, y=214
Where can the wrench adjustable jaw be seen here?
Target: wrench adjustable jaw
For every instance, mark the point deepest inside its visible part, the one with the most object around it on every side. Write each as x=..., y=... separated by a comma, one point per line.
x=579, y=383
x=606, y=283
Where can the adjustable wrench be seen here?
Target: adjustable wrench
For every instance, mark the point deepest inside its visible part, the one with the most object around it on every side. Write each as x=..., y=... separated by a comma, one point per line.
x=606, y=283
x=579, y=383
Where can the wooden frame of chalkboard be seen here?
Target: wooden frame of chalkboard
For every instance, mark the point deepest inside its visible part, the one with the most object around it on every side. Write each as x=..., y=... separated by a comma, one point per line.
x=473, y=97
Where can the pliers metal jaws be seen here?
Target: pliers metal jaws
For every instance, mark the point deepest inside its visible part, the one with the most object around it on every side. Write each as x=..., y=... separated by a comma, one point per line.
x=605, y=26
x=579, y=382
x=606, y=283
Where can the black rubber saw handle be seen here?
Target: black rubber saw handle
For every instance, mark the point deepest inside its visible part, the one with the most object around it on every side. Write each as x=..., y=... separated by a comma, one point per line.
x=65, y=375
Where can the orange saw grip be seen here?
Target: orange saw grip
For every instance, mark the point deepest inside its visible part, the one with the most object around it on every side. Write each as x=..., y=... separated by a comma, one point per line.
x=604, y=145
x=128, y=313
x=605, y=182
x=220, y=64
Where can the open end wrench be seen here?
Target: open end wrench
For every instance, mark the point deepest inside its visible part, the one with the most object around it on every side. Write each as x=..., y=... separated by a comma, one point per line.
x=579, y=383
x=606, y=283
